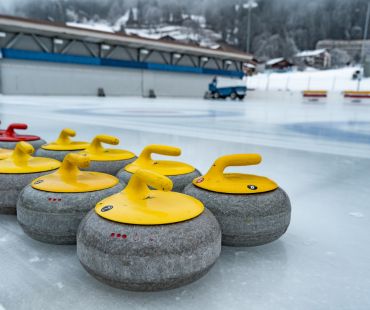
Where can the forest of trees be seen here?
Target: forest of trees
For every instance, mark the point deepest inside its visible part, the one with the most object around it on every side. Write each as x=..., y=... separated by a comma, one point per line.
x=279, y=27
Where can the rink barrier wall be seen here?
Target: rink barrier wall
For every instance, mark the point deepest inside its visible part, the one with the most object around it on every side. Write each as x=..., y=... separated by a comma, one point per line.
x=97, y=61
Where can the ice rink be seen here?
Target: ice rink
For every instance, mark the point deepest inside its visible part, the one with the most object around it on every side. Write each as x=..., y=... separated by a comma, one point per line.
x=319, y=152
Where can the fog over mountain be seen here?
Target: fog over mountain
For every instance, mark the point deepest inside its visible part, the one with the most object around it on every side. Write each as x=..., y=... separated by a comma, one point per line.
x=279, y=27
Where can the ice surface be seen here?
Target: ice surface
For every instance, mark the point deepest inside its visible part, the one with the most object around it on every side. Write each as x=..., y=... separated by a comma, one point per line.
x=319, y=152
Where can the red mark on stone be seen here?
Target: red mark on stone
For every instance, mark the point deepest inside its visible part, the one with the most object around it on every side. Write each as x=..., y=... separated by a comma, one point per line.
x=118, y=235
x=112, y=234
x=124, y=236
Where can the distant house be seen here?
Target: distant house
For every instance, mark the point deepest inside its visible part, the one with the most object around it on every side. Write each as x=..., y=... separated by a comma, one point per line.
x=278, y=64
x=253, y=66
x=167, y=37
x=249, y=68
x=319, y=59
x=352, y=47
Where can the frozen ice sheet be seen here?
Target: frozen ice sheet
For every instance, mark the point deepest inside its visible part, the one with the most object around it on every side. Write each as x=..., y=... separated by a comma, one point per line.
x=322, y=262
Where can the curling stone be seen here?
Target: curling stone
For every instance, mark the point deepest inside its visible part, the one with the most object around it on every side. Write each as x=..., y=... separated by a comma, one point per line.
x=9, y=138
x=252, y=210
x=4, y=153
x=148, y=240
x=51, y=207
x=62, y=146
x=17, y=171
x=107, y=160
x=181, y=174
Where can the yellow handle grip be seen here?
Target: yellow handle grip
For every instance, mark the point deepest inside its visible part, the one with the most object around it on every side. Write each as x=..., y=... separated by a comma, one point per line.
x=154, y=179
x=69, y=168
x=24, y=147
x=238, y=160
x=107, y=139
x=233, y=160
x=137, y=187
x=64, y=136
x=22, y=152
x=96, y=144
x=77, y=160
x=159, y=149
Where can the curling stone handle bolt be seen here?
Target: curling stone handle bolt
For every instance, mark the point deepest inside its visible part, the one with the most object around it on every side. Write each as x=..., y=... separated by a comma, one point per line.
x=64, y=136
x=159, y=149
x=96, y=144
x=10, y=130
x=22, y=152
x=137, y=187
x=233, y=160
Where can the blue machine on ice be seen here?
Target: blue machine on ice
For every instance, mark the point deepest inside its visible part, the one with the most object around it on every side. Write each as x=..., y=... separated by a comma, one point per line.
x=223, y=92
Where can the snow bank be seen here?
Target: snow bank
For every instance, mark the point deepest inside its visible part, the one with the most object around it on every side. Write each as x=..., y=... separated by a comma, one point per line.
x=330, y=80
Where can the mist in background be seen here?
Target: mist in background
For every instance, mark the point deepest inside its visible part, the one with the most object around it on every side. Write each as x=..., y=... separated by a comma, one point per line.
x=279, y=28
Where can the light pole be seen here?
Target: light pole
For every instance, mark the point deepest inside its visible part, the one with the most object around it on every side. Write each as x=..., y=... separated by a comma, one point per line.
x=251, y=4
x=365, y=34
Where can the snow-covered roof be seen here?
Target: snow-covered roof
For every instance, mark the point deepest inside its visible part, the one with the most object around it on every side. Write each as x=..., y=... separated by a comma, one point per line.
x=103, y=32
x=92, y=26
x=274, y=61
x=310, y=53
x=248, y=65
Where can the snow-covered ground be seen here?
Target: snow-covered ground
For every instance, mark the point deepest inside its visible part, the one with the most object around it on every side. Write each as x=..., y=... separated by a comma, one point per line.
x=319, y=152
x=330, y=80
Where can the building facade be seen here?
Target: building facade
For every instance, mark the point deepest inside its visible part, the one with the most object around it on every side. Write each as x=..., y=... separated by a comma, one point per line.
x=43, y=58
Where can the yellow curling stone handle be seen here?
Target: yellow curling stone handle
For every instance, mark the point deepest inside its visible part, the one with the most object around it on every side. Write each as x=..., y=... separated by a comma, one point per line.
x=137, y=204
x=164, y=167
x=97, y=152
x=70, y=179
x=145, y=155
x=137, y=187
x=65, y=143
x=96, y=144
x=64, y=136
x=235, y=183
x=217, y=169
x=70, y=166
x=22, y=153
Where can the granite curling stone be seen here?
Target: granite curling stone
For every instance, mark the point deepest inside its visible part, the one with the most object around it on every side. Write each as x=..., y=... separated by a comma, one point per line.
x=17, y=171
x=62, y=146
x=9, y=138
x=251, y=210
x=181, y=174
x=107, y=160
x=148, y=240
x=51, y=207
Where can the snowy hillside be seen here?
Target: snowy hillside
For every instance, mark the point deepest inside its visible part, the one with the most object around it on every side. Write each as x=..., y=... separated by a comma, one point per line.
x=193, y=30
